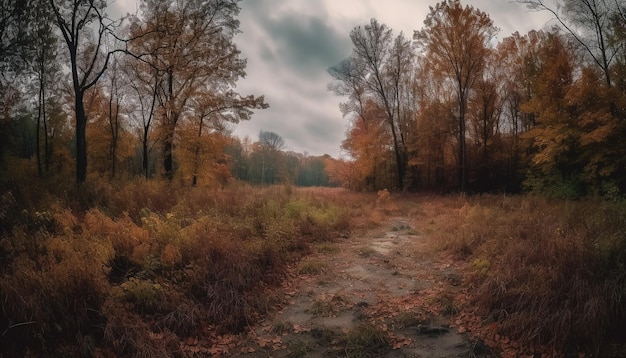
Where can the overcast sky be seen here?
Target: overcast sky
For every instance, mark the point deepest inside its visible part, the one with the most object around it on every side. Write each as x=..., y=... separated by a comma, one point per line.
x=290, y=44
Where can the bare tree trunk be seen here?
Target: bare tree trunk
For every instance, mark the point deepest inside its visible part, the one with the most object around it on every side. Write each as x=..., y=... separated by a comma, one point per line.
x=81, y=141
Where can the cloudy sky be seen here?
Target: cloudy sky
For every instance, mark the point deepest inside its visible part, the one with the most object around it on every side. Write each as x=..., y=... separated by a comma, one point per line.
x=289, y=45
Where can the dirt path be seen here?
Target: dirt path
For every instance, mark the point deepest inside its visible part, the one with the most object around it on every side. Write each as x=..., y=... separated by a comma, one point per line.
x=382, y=294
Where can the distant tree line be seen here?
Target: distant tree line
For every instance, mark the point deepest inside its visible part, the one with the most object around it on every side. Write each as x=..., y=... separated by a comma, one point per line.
x=265, y=162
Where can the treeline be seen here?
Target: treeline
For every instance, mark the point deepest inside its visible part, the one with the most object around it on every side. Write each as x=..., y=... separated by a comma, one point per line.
x=454, y=109
x=151, y=94
x=265, y=162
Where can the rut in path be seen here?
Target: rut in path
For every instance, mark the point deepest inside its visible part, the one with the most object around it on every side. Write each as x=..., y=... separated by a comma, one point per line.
x=383, y=294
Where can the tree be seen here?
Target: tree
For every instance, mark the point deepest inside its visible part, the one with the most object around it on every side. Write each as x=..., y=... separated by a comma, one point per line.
x=14, y=37
x=114, y=115
x=556, y=160
x=597, y=112
x=367, y=142
x=267, y=158
x=591, y=23
x=44, y=64
x=312, y=171
x=14, y=33
x=88, y=59
x=456, y=42
x=377, y=70
x=207, y=133
x=517, y=57
x=143, y=81
x=271, y=141
x=189, y=45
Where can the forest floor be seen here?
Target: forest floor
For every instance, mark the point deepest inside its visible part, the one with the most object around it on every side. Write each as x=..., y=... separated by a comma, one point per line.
x=383, y=293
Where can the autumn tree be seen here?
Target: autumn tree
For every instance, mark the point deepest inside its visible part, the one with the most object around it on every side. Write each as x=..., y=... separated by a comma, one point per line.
x=591, y=23
x=456, y=43
x=110, y=142
x=556, y=160
x=189, y=45
x=436, y=122
x=367, y=143
x=377, y=70
x=596, y=26
x=206, y=132
x=517, y=58
x=115, y=113
x=344, y=173
x=88, y=58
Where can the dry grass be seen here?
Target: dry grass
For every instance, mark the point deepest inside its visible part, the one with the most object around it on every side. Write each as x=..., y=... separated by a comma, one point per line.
x=547, y=273
x=133, y=268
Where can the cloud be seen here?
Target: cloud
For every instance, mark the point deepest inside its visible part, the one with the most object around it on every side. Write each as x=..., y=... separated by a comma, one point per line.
x=289, y=45
x=306, y=43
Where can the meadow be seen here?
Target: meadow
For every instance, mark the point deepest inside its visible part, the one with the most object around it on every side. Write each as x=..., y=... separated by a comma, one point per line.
x=135, y=268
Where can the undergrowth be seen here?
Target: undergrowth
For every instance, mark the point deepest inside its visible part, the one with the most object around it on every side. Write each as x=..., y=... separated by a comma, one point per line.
x=548, y=273
x=135, y=268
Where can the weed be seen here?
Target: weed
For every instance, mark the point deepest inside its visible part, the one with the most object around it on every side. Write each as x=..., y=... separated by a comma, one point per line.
x=311, y=267
x=366, y=340
x=366, y=251
x=406, y=319
x=280, y=327
x=328, y=336
x=446, y=305
x=324, y=307
x=300, y=348
x=327, y=248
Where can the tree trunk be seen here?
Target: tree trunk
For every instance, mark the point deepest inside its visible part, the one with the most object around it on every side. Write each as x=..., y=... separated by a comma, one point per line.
x=168, y=143
x=462, y=149
x=38, y=130
x=46, y=145
x=399, y=161
x=144, y=148
x=114, y=127
x=81, y=141
x=167, y=155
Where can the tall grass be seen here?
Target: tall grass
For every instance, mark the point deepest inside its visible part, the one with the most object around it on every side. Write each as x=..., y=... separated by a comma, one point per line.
x=134, y=268
x=546, y=272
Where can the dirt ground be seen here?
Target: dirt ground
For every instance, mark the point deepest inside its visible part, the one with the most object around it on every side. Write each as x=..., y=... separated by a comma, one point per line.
x=385, y=293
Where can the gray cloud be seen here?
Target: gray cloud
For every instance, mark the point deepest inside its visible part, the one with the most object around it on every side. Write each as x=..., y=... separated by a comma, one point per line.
x=289, y=44
x=307, y=43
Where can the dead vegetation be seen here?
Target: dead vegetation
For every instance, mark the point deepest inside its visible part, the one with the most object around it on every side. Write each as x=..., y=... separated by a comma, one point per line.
x=145, y=266
x=148, y=265
x=546, y=275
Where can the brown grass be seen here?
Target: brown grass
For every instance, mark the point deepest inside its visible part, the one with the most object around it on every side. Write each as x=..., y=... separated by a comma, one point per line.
x=132, y=268
x=547, y=273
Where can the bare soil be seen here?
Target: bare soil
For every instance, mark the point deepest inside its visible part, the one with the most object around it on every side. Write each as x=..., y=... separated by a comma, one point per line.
x=386, y=293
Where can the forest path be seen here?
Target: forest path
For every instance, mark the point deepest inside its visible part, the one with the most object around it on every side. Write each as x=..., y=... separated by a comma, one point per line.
x=386, y=293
